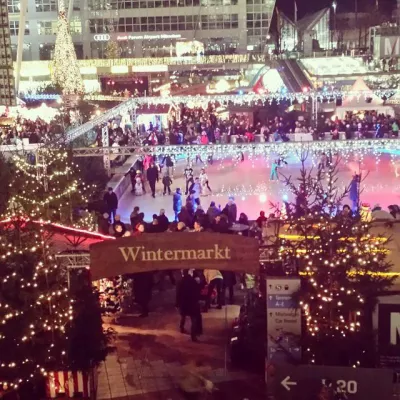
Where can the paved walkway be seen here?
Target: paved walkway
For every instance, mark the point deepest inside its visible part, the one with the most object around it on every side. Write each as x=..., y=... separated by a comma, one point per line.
x=152, y=356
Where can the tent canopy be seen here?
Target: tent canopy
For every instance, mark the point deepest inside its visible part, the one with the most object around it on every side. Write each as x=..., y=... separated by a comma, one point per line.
x=360, y=86
x=359, y=103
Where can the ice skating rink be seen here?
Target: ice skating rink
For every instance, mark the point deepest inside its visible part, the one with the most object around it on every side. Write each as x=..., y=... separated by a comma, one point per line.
x=249, y=183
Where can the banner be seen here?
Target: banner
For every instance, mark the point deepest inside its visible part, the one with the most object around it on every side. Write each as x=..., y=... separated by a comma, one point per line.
x=162, y=251
x=389, y=334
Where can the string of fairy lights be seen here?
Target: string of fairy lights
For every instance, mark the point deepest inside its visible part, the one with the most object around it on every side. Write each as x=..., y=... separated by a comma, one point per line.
x=249, y=99
x=338, y=257
x=51, y=311
x=50, y=186
x=40, y=193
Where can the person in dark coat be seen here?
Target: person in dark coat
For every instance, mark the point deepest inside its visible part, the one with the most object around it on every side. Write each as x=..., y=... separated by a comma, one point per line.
x=142, y=289
x=228, y=283
x=212, y=212
x=135, y=217
x=104, y=224
x=152, y=177
x=132, y=177
x=185, y=217
x=111, y=201
x=163, y=221
x=177, y=203
x=187, y=301
x=231, y=210
x=221, y=224
x=354, y=192
x=118, y=227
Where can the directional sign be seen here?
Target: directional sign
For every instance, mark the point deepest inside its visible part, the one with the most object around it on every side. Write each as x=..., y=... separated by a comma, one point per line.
x=287, y=382
x=283, y=320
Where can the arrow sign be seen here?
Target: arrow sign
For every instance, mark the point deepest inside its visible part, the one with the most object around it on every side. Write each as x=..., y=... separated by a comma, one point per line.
x=286, y=383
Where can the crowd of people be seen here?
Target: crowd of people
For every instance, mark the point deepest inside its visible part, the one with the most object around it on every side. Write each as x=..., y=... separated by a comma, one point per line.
x=199, y=126
x=37, y=131
x=209, y=287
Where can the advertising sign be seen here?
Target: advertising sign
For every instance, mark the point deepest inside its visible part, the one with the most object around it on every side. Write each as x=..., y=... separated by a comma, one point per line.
x=163, y=251
x=307, y=382
x=283, y=320
x=389, y=335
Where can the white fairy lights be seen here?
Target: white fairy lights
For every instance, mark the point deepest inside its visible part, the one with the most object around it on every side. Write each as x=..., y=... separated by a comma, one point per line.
x=65, y=71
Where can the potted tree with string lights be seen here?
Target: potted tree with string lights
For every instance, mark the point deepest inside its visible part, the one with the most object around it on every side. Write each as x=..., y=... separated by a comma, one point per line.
x=343, y=268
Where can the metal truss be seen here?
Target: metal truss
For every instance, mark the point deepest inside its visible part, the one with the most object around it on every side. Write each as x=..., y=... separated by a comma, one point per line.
x=74, y=260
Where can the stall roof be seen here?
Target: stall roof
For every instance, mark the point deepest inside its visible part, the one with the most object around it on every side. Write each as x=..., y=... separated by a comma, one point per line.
x=66, y=238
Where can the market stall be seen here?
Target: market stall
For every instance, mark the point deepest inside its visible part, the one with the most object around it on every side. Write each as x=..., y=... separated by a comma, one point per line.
x=366, y=101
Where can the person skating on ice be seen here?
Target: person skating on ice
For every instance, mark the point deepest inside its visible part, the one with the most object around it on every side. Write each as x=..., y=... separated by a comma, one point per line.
x=204, y=185
x=167, y=182
x=139, y=184
x=189, y=177
x=274, y=171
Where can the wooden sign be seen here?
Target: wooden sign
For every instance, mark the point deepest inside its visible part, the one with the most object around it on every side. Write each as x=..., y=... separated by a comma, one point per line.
x=162, y=251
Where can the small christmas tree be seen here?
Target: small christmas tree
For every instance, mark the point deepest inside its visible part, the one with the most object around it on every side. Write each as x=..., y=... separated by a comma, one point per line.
x=50, y=190
x=343, y=269
x=65, y=71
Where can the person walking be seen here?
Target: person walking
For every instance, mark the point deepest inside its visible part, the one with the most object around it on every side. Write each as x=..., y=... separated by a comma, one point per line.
x=167, y=182
x=229, y=281
x=214, y=280
x=111, y=201
x=177, y=203
x=187, y=301
x=142, y=289
x=152, y=177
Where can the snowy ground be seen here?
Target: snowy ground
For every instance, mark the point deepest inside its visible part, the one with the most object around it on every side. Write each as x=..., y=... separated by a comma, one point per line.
x=249, y=183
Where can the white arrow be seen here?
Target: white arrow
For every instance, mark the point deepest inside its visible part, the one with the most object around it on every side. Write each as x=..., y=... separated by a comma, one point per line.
x=286, y=383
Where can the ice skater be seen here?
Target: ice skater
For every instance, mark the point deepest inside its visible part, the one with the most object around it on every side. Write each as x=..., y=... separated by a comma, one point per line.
x=204, y=185
x=139, y=184
x=323, y=161
x=274, y=171
x=167, y=182
x=189, y=177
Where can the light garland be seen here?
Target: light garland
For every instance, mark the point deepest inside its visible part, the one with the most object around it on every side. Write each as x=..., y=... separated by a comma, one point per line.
x=51, y=186
x=46, y=315
x=250, y=99
x=342, y=265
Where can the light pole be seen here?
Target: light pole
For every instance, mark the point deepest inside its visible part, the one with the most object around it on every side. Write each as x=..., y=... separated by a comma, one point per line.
x=334, y=6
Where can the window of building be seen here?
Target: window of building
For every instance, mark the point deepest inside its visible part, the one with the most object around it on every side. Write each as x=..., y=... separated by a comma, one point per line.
x=14, y=28
x=47, y=27
x=13, y=6
x=46, y=51
x=75, y=26
x=46, y=5
x=166, y=23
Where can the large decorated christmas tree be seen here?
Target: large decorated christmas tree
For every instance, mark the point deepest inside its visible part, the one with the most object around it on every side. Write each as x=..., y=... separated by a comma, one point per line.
x=45, y=325
x=50, y=190
x=35, y=307
x=343, y=268
x=65, y=71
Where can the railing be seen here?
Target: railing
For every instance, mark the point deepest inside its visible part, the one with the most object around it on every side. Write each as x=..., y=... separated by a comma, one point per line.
x=224, y=150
